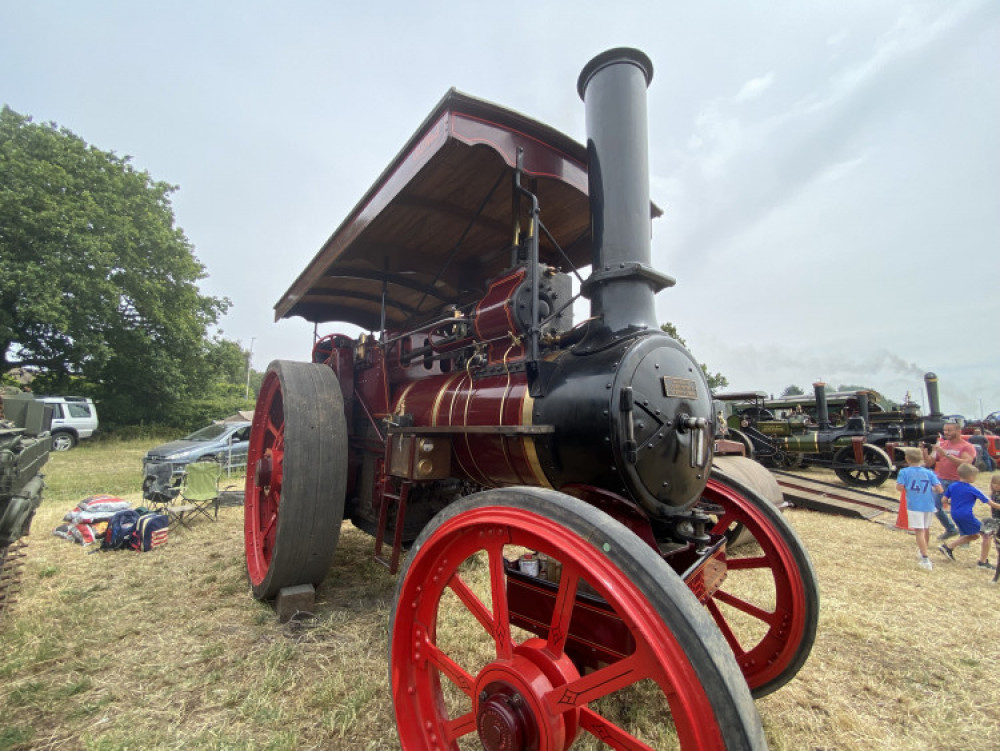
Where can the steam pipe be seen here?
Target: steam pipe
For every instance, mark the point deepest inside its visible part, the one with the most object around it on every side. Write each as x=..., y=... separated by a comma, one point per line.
x=933, y=400
x=622, y=284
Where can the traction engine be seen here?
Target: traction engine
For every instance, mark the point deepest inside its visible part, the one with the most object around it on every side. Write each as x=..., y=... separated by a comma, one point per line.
x=567, y=547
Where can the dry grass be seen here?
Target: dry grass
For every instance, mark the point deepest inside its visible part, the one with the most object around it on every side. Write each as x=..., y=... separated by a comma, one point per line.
x=168, y=649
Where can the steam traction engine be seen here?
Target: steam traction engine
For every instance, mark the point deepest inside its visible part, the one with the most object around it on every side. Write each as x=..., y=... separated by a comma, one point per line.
x=566, y=530
x=849, y=450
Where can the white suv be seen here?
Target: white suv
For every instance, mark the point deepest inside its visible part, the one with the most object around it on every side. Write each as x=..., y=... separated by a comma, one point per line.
x=73, y=418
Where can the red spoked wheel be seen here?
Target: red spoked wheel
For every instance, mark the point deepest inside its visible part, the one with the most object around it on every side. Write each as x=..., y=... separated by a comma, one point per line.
x=768, y=606
x=465, y=676
x=753, y=476
x=296, y=477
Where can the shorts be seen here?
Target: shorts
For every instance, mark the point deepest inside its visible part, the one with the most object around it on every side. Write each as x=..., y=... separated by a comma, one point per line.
x=967, y=525
x=991, y=526
x=919, y=519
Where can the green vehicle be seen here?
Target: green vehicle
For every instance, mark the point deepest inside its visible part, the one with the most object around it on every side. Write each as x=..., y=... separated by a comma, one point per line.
x=25, y=442
x=799, y=439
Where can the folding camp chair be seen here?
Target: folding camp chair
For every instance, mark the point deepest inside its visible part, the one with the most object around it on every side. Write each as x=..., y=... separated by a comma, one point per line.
x=158, y=485
x=161, y=491
x=200, y=489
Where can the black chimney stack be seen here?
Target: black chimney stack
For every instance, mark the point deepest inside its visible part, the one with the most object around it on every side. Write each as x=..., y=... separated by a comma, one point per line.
x=822, y=412
x=863, y=406
x=622, y=284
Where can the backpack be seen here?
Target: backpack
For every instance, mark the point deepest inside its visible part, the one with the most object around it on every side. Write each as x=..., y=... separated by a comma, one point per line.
x=120, y=529
x=150, y=532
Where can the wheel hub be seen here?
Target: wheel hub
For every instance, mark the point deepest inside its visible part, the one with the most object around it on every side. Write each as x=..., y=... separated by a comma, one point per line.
x=503, y=722
x=511, y=711
x=263, y=470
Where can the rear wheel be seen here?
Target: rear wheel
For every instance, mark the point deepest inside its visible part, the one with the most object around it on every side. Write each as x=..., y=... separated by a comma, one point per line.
x=875, y=468
x=768, y=606
x=296, y=477
x=63, y=441
x=465, y=674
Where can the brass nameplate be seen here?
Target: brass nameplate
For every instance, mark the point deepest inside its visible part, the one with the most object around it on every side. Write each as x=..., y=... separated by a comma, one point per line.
x=681, y=388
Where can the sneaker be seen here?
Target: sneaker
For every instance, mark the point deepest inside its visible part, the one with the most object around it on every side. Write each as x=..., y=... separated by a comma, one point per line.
x=926, y=563
x=947, y=551
x=947, y=534
x=986, y=565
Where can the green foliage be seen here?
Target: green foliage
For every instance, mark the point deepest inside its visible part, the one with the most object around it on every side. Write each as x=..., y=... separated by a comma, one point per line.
x=716, y=381
x=854, y=387
x=792, y=390
x=98, y=288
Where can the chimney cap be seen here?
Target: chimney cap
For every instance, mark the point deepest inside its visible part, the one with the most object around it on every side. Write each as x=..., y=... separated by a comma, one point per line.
x=631, y=55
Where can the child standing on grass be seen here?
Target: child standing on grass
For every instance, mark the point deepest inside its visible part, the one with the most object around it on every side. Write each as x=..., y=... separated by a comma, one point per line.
x=920, y=485
x=961, y=496
x=991, y=526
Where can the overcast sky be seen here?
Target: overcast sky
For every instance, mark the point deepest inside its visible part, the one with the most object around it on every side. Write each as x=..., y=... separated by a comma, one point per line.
x=829, y=171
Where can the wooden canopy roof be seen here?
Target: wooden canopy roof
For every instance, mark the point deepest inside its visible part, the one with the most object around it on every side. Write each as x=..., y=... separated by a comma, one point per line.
x=438, y=222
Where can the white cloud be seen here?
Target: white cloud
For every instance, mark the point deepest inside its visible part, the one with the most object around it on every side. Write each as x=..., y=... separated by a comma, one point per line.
x=755, y=87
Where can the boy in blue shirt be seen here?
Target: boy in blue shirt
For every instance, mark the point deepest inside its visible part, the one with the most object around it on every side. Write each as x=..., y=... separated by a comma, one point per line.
x=920, y=485
x=962, y=497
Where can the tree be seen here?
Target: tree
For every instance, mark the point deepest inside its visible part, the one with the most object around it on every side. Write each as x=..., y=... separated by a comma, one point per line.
x=715, y=380
x=98, y=288
x=854, y=387
x=792, y=390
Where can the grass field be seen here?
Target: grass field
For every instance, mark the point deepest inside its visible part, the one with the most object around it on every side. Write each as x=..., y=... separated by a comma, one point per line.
x=169, y=650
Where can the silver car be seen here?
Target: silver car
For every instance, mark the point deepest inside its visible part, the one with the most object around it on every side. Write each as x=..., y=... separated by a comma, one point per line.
x=224, y=442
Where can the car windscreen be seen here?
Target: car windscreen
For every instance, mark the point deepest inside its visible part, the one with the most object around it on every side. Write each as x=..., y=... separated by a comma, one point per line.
x=207, y=433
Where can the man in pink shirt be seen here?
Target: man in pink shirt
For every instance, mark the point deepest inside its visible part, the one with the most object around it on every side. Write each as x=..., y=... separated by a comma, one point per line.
x=944, y=457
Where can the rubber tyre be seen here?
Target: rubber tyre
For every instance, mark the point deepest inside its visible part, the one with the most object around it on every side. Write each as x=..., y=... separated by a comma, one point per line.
x=677, y=642
x=756, y=477
x=63, y=440
x=792, y=619
x=878, y=467
x=296, y=477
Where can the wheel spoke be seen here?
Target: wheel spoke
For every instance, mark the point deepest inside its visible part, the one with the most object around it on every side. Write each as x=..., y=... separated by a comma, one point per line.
x=454, y=672
x=743, y=564
x=495, y=623
x=563, y=611
x=501, y=616
x=461, y=725
x=746, y=607
x=268, y=526
x=724, y=522
x=473, y=604
x=606, y=731
x=723, y=624
x=602, y=682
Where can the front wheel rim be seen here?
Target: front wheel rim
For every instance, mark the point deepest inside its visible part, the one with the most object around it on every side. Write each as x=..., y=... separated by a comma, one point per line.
x=265, y=461
x=554, y=698
x=786, y=627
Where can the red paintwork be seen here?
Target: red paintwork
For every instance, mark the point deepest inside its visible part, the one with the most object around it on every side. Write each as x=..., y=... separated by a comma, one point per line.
x=266, y=461
x=554, y=696
x=457, y=399
x=495, y=320
x=785, y=621
x=992, y=444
